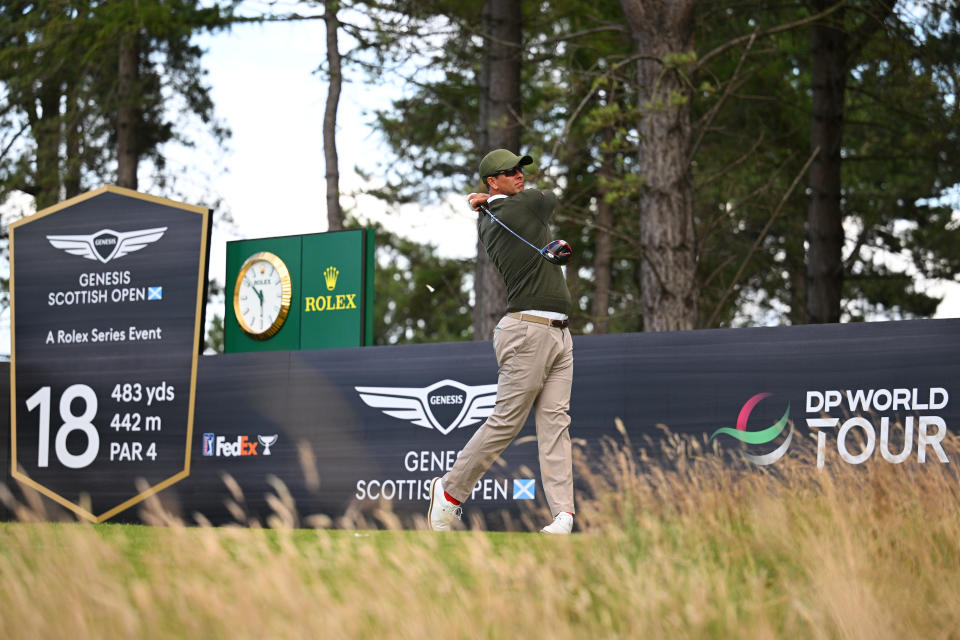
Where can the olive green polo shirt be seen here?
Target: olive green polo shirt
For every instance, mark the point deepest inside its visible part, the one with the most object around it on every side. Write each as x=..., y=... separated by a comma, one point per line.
x=532, y=282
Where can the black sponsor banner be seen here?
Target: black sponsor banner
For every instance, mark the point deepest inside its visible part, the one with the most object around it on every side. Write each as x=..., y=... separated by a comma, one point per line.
x=351, y=430
x=106, y=298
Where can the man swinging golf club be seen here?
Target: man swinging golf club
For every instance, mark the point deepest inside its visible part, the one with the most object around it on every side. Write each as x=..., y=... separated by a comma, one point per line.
x=532, y=344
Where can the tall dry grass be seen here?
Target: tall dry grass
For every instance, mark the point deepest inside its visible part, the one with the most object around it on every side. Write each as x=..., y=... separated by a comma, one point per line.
x=683, y=545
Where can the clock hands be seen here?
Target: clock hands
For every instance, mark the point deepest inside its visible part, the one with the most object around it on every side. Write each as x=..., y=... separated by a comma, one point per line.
x=259, y=295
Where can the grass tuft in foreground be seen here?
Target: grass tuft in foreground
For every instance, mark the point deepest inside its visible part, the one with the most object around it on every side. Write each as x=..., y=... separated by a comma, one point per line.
x=683, y=546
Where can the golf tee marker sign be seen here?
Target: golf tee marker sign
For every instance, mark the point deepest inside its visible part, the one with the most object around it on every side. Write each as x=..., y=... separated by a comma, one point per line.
x=107, y=293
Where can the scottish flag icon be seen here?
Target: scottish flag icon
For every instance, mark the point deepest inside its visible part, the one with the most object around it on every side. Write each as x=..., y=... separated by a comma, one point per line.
x=524, y=488
x=154, y=293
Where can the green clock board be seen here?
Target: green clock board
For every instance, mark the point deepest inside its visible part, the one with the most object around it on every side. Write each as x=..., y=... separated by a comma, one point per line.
x=300, y=292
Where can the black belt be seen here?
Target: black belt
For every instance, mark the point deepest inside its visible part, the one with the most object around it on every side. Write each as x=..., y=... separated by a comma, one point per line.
x=526, y=317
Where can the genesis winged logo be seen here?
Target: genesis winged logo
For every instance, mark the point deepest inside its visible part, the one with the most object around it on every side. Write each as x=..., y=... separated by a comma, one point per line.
x=763, y=436
x=107, y=244
x=444, y=405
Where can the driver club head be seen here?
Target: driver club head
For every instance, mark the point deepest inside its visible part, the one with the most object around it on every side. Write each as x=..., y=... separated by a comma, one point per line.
x=557, y=252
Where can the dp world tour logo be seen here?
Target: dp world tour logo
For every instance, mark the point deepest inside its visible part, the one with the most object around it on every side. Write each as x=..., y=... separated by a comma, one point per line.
x=444, y=405
x=763, y=436
x=107, y=244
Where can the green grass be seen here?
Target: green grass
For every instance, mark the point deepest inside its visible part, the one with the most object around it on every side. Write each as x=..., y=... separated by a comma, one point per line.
x=683, y=548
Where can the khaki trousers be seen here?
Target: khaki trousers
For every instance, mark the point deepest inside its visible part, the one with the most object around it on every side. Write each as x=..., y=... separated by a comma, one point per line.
x=536, y=369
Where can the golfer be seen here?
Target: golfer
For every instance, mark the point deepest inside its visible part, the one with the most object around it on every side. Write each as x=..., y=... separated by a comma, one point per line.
x=532, y=344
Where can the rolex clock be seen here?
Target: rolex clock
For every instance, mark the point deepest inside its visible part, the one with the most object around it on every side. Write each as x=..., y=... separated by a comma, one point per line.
x=261, y=296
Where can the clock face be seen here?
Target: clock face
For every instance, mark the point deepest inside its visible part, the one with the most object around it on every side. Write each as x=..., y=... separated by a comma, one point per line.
x=261, y=297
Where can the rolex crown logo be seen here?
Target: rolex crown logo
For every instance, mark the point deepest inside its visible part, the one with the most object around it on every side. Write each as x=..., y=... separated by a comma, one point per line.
x=330, y=275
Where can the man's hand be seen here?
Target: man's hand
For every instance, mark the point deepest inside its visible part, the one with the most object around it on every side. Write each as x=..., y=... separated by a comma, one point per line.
x=477, y=199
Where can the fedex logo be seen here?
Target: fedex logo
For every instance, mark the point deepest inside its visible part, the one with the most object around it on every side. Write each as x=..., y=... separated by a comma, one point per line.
x=242, y=446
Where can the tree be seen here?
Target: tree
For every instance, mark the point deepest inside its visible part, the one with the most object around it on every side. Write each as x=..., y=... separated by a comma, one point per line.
x=90, y=88
x=128, y=77
x=94, y=81
x=832, y=53
x=900, y=130
x=663, y=33
x=871, y=74
x=500, y=126
x=897, y=112
x=216, y=295
x=722, y=134
x=32, y=72
x=750, y=126
x=335, y=81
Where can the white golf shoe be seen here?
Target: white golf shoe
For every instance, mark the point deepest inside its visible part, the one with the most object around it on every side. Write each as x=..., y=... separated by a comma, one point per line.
x=561, y=525
x=442, y=512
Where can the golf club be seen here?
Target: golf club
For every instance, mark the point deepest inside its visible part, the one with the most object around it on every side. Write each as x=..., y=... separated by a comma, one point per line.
x=556, y=252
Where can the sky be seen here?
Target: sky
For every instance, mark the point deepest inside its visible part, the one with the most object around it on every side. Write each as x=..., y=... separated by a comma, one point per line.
x=272, y=179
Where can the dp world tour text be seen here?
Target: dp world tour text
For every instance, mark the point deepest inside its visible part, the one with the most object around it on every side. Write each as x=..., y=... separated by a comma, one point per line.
x=857, y=432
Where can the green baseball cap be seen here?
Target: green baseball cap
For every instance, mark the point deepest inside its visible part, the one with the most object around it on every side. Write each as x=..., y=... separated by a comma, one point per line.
x=501, y=159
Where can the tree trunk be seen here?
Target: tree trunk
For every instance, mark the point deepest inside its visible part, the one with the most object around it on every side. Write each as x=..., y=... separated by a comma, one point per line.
x=334, y=213
x=499, y=128
x=603, y=247
x=825, y=214
x=47, y=134
x=72, y=137
x=662, y=29
x=128, y=156
x=797, y=272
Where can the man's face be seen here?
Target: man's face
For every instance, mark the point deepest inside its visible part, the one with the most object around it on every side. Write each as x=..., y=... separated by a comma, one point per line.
x=507, y=182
